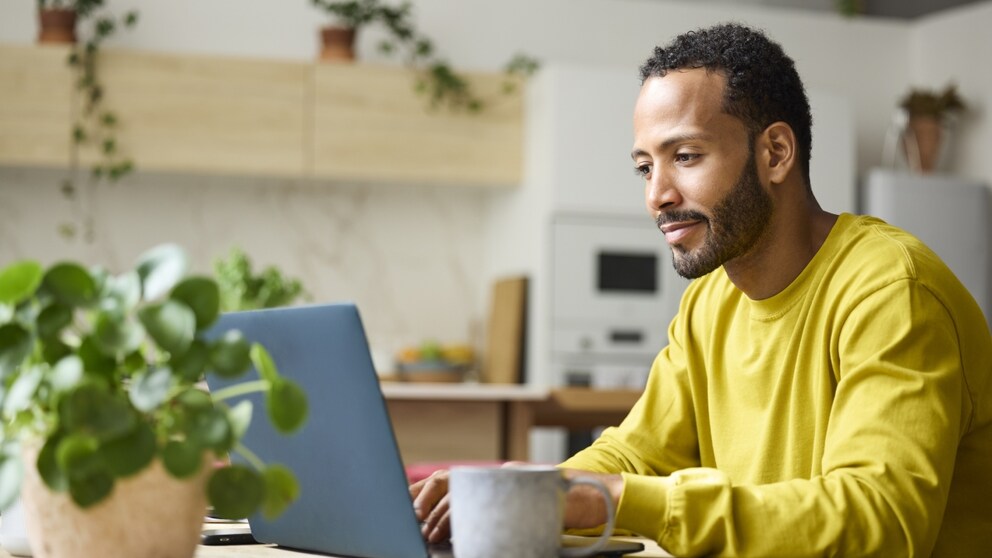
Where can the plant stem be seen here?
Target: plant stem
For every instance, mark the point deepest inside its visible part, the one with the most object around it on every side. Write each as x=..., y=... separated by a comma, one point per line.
x=253, y=459
x=240, y=389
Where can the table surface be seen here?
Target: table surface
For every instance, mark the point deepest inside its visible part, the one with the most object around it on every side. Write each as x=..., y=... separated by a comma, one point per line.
x=651, y=550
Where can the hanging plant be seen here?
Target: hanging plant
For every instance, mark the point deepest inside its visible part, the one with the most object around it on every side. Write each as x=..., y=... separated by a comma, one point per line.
x=434, y=77
x=850, y=8
x=97, y=125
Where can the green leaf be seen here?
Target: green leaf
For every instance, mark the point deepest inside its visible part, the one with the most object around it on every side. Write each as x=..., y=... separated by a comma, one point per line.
x=130, y=453
x=194, y=400
x=171, y=324
x=11, y=473
x=230, y=355
x=240, y=418
x=235, y=492
x=66, y=373
x=19, y=281
x=121, y=293
x=202, y=295
x=211, y=429
x=15, y=346
x=77, y=456
x=287, y=405
x=53, y=319
x=263, y=363
x=281, y=490
x=191, y=364
x=115, y=334
x=53, y=350
x=182, y=459
x=48, y=468
x=133, y=363
x=150, y=389
x=22, y=392
x=160, y=269
x=71, y=284
x=94, y=359
x=92, y=410
x=90, y=490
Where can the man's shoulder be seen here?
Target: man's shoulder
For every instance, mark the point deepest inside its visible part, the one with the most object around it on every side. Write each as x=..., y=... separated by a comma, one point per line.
x=876, y=252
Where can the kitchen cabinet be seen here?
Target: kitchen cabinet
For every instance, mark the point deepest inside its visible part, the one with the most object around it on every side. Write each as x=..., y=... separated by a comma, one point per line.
x=243, y=117
x=201, y=114
x=36, y=97
x=369, y=124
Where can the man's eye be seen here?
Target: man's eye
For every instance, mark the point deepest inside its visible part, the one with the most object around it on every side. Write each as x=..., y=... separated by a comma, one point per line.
x=685, y=157
x=642, y=170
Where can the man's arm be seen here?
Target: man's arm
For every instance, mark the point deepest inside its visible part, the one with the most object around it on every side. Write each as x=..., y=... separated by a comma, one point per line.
x=889, y=453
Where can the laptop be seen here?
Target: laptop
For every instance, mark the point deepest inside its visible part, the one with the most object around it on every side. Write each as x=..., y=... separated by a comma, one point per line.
x=354, y=497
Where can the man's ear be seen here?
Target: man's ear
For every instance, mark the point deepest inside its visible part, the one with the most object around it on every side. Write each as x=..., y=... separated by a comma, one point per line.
x=778, y=152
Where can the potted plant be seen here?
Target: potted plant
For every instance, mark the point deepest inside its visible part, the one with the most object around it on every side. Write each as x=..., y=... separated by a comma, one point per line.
x=243, y=289
x=95, y=126
x=104, y=418
x=435, y=78
x=57, y=19
x=927, y=119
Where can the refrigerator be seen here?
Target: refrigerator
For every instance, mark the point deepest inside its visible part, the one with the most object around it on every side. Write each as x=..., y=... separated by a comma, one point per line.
x=949, y=214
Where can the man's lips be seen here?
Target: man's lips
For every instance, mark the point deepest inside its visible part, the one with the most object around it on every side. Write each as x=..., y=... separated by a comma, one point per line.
x=676, y=232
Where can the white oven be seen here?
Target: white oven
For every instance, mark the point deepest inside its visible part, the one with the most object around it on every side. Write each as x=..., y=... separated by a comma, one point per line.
x=614, y=294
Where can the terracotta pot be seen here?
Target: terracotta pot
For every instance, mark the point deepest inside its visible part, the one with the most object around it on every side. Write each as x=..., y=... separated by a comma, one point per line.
x=151, y=514
x=57, y=25
x=337, y=44
x=923, y=148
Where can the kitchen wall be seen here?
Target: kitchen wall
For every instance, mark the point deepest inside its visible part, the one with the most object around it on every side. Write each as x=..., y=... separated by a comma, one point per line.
x=408, y=256
x=411, y=255
x=953, y=47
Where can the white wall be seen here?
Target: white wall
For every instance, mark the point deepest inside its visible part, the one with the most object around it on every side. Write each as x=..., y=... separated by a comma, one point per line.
x=955, y=47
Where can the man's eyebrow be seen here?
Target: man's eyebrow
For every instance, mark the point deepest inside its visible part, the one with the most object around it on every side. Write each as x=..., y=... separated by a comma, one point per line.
x=671, y=141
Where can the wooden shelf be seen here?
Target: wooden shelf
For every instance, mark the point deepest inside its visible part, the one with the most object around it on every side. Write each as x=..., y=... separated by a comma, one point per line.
x=35, y=105
x=221, y=115
x=370, y=124
x=207, y=114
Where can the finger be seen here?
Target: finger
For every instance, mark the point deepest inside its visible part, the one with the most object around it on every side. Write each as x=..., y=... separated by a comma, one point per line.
x=434, y=488
x=437, y=525
x=416, y=487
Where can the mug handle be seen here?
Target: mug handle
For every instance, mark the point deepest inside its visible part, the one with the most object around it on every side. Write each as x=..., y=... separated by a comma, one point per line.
x=604, y=538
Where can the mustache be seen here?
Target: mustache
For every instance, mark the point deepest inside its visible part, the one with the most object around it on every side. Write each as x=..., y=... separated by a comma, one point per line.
x=677, y=216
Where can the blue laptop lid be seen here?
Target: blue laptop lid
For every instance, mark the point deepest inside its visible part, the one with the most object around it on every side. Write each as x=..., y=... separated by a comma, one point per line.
x=354, y=499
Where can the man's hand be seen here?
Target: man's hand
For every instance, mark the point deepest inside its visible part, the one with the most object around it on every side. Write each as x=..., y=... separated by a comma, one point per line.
x=584, y=506
x=430, y=505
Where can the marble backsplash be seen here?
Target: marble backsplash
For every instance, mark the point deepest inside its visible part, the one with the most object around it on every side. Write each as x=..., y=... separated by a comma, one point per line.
x=408, y=255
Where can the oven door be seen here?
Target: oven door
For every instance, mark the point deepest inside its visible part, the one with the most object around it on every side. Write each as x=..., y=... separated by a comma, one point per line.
x=615, y=290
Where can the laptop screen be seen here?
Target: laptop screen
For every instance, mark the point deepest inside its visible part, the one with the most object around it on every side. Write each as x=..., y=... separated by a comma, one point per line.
x=354, y=498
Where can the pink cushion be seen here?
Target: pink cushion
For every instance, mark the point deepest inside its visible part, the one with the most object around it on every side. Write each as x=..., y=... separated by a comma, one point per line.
x=420, y=471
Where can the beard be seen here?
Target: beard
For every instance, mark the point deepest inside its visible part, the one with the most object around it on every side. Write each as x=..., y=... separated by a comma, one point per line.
x=737, y=224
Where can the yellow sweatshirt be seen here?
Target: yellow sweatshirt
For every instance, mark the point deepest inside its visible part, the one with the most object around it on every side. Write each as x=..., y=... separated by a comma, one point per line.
x=848, y=415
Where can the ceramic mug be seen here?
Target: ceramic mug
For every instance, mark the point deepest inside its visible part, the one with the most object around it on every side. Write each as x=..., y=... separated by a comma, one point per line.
x=516, y=511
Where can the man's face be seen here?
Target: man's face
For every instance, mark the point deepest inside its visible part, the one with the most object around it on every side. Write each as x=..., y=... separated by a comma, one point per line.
x=701, y=183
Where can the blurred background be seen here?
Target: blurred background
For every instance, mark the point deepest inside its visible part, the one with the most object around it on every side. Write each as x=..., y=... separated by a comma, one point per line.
x=341, y=176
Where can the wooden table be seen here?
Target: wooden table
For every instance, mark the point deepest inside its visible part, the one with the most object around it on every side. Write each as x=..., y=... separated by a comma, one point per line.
x=651, y=550
x=488, y=422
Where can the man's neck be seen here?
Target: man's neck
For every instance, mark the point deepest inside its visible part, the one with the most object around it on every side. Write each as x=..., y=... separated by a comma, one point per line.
x=784, y=250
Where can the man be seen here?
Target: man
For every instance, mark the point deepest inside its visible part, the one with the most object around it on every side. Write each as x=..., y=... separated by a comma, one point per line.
x=826, y=388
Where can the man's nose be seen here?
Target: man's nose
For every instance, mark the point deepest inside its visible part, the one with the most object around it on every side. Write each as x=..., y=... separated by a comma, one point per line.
x=660, y=193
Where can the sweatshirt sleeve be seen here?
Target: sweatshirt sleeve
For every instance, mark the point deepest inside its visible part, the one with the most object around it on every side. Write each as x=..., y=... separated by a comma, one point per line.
x=658, y=436
x=898, y=413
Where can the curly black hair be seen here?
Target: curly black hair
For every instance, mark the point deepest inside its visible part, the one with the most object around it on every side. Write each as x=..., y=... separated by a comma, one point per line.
x=762, y=83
